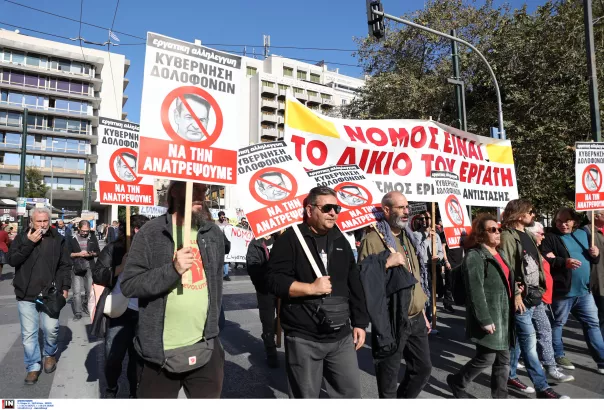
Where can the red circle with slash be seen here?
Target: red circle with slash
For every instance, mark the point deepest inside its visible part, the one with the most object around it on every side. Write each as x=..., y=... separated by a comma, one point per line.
x=181, y=93
x=257, y=177
x=452, y=201
x=120, y=152
x=368, y=200
x=597, y=180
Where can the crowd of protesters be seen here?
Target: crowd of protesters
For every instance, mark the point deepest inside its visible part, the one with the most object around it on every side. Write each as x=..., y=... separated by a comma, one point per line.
x=159, y=300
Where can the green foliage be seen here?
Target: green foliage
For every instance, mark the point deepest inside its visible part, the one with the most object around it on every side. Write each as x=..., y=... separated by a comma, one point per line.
x=539, y=61
x=34, y=183
x=121, y=212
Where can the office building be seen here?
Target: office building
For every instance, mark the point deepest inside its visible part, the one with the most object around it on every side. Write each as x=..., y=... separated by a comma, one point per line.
x=65, y=88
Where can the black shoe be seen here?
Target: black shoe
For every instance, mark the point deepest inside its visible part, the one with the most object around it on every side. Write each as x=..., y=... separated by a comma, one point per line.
x=227, y=278
x=457, y=392
x=77, y=317
x=449, y=308
x=272, y=361
x=111, y=393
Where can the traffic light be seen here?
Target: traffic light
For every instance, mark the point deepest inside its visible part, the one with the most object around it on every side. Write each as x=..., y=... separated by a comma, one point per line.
x=375, y=22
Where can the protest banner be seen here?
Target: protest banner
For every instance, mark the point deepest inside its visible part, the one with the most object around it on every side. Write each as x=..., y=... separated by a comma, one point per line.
x=454, y=214
x=240, y=239
x=190, y=112
x=117, y=159
x=588, y=176
x=399, y=155
x=272, y=186
x=153, y=211
x=357, y=195
x=416, y=208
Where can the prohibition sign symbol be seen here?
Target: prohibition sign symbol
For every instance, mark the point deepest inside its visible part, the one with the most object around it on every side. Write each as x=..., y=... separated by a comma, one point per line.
x=457, y=218
x=355, y=198
x=592, y=176
x=181, y=93
x=290, y=192
x=120, y=153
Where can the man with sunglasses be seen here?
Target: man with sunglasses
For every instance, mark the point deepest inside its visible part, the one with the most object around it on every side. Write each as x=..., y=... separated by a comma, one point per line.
x=317, y=312
x=413, y=343
x=528, y=282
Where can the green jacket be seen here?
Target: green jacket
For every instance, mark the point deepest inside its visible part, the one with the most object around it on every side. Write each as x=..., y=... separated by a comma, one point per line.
x=512, y=248
x=488, y=300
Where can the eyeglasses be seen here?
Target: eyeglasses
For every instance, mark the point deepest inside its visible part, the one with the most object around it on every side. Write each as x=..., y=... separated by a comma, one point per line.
x=327, y=208
x=422, y=218
x=400, y=207
x=540, y=234
x=494, y=230
x=532, y=212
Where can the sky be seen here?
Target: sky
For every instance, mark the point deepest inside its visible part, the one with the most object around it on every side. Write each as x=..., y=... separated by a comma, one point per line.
x=309, y=23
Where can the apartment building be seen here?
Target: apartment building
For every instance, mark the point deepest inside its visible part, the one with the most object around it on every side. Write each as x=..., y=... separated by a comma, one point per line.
x=65, y=88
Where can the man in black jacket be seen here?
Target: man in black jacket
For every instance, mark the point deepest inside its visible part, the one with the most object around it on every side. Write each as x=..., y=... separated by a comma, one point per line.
x=318, y=337
x=179, y=289
x=258, y=253
x=84, y=247
x=40, y=258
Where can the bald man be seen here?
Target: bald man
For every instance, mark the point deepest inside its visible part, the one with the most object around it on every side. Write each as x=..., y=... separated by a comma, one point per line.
x=413, y=343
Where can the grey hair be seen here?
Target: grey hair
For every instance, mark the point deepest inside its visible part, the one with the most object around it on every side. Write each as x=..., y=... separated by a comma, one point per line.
x=44, y=210
x=533, y=229
x=594, y=214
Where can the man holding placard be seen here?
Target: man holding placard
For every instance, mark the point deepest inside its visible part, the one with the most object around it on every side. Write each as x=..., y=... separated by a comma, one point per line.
x=313, y=270
x=179, y=287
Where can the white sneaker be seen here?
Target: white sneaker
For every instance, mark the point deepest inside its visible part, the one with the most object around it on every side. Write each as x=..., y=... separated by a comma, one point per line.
x=601, y=370
x=556, y=375
x=520, y=366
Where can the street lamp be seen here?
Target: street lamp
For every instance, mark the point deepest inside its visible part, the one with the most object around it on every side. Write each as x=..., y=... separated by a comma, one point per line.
x=375, y=16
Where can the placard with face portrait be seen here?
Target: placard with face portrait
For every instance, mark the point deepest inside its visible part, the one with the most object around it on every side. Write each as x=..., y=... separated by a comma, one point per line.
x=119, y=182
x=191, y=112
x=454, y=214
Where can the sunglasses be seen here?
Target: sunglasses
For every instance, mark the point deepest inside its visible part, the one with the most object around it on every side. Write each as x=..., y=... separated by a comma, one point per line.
x=494, y=230
x=327, y=208
x=532, y=212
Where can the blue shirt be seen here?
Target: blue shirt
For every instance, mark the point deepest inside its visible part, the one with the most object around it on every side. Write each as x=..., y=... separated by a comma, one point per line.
x=580, y=279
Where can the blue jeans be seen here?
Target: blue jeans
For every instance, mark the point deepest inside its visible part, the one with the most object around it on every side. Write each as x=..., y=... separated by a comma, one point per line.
x=31, y=318
x=527, y=342
x=225, y=270
x=585, y=311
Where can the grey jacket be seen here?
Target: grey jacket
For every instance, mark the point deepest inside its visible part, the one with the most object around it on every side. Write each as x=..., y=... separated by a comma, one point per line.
x=149, y=275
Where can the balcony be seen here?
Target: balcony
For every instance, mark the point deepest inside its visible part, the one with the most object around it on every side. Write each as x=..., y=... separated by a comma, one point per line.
x=269, y=103
x=301, y=96
x=95, y=101
x=280, y=119
x=281, y=105
x=281, y=135
x=54, y=73
x=314, y=99
x=268, y=132
x=269, y=90
x=269, y=118
x=328, y=102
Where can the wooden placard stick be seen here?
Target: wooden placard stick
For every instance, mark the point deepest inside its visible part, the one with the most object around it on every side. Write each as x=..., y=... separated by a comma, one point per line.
x=128, y=238
x=593, y=229
x=434, y=252
x=186, y=229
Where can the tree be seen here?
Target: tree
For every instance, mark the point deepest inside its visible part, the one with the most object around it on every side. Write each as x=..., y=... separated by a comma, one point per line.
x=539, y=61
x=121, y=212
x=34, y=183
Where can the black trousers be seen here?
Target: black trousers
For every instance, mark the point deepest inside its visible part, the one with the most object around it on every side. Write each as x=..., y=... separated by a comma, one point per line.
x=267, y=307
x=414, y=348
x=599, y=299
x=485, y=357
x=119, y=340
x=202, y=383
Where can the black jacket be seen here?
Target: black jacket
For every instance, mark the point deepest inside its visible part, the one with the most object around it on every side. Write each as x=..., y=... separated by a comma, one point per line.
x=288, y=263
x=51, y=257
x=388, y=295
x=93, y=246
x=104, y=274
x=561, y=275
x=149, y=275
x=256, y=261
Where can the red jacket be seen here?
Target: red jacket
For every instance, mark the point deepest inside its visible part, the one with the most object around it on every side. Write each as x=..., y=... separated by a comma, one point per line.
x=549, y=284
x=3, y=241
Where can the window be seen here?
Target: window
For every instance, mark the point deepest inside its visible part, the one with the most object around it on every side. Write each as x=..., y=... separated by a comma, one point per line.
x=301, y=75
x=326, y=96
x=76, y=68
x=283, y=87
x=315, y=78
x=14, y=119
x=10, y=140
x=288, y=72
x=267, y=84
x=4, y=96
x=15, y=98
x=312, y=93
x=63, y=65
x=298, y=90
x=73, y=146
x=33, y=60
x=251, y=71
x=12, y=159
x=344, y=102
x=12, y=179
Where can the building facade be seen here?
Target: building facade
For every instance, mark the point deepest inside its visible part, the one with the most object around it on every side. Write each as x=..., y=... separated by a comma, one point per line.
x=65, y=89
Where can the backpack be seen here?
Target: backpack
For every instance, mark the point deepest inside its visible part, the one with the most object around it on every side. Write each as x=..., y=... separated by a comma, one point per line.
x=458, y=285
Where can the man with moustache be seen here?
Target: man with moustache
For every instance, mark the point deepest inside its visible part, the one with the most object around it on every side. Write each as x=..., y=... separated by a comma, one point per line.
x=179, y=288
x=317, y=310
x=413, y=343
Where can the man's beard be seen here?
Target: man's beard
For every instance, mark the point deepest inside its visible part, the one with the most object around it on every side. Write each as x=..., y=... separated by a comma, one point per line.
x=530, y=224
x=395, y=221
x=198, y=217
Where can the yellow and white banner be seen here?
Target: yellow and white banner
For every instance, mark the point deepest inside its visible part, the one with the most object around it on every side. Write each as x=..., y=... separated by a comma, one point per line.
x=400, y=155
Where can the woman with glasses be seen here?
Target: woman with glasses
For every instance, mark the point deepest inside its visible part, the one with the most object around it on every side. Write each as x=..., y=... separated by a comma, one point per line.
x=541, y=322
x=489, y=309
